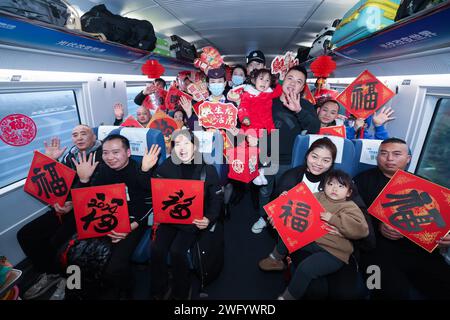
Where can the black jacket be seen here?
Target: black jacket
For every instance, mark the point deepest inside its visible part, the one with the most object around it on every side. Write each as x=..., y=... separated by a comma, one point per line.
x=291, y=124
x=138, y=185
x=213, y=196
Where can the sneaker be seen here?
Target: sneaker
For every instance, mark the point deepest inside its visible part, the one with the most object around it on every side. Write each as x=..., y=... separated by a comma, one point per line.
x=257, y=181
x=271, y=264
x=45, y=282
x=60, y=291
x=264, y=181
x=259, y=225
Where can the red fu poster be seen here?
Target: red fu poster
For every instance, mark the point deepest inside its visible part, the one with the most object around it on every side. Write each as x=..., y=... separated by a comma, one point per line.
x=415, y=207
x=296, y=217
x=365, y=95
x=48, y=180
x=177, y=201
x=338, y=131
x=100, y=210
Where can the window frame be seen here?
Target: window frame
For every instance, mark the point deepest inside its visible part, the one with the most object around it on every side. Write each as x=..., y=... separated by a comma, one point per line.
x=11, y=88
x=437, y=106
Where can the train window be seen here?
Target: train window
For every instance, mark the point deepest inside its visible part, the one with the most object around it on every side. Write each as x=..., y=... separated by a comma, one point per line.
x=54, y=113
x=433, y=162
x=132, y=92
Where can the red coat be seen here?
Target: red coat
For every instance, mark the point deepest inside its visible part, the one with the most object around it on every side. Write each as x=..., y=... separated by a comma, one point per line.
x=257, y=108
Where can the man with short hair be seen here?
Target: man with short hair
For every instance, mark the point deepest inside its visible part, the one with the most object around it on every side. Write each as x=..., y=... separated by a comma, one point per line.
x=143, y=115
x=117, y=167
x=404, y=265
x=143, y=98
x=42, y=238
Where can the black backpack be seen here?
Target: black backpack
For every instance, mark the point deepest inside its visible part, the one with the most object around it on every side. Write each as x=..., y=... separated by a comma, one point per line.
x=131, y=32
x=54, y=12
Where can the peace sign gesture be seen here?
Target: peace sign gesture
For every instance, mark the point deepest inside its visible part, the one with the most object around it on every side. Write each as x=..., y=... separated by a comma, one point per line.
x=85, y=167
x=150, y=158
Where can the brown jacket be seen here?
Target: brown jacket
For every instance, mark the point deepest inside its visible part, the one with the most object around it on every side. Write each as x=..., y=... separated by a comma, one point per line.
x=349, y=220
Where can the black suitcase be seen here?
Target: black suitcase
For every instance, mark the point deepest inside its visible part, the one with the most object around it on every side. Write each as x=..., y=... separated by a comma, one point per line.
x=410, y=7
x=55, y=12
x=131, y=32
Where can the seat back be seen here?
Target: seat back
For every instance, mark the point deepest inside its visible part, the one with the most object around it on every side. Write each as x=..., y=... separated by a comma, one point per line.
x=345, y=151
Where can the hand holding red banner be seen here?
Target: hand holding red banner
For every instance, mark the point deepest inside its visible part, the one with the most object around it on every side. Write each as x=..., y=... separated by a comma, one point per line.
x=296, y=217
x=49, y=180
x=177, y=201
x=415, y=207
x=101, y=210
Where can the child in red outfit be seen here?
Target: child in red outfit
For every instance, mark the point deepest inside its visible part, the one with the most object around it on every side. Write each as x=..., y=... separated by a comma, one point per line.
x=255, y=107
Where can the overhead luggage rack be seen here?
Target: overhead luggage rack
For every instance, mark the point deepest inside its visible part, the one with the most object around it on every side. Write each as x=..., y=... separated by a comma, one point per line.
x=33, y=35
x=418, y=34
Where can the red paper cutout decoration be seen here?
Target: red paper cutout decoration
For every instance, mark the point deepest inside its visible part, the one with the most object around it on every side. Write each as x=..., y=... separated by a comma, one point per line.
x=153, y=69
x=415, y=207
x=210, y=58
x=282, y=64
x=243, y=163
x=17, y=130
x=217, y=115
x=48, y=180
x=131, y=122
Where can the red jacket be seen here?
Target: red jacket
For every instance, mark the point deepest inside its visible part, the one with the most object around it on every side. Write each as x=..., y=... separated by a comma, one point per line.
x=257, y=108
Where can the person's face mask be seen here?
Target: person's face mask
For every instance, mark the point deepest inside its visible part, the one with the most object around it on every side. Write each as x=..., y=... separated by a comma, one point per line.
x=237, y=80
x=216, y=88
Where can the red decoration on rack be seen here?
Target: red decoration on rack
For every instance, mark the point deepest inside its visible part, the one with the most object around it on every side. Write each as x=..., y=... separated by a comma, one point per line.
x=153, y=69
x=323, y=66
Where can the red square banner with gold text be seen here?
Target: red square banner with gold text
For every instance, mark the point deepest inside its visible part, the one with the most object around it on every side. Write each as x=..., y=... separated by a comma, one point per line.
x=338, y=131
x=296, y=217
x=48, y=180
x=100, y=210
x=177, y=201
x=365, y=95
x=415, y=207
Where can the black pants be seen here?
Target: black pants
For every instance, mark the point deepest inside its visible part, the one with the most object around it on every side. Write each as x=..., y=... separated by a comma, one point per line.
x=170, y=239
x=42, y=238
x=406, y=267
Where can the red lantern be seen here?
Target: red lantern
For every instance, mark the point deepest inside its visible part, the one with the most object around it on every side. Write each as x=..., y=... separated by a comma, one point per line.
x=323, y=66
x=153, y=69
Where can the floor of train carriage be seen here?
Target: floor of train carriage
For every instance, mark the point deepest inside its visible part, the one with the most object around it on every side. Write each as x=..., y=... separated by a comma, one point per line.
x=240, y=277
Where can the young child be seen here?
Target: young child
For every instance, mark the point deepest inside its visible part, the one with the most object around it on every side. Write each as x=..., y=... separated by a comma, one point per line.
x=255, y=107
x=328, y=254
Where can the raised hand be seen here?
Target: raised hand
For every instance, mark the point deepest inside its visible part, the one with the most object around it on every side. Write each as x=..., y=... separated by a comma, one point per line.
x=54, y=150
x=186, y=105
x=149, y=89
x=118, y=111
x=292, y=101
x=85, y=167
x=383, y=116
x=359, y=123
x=150, y=158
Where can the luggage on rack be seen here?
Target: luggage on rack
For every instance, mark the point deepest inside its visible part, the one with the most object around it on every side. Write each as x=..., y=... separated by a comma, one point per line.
x=55, y=12
x=363, y=19
x=131, y=32
x=410, y=7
